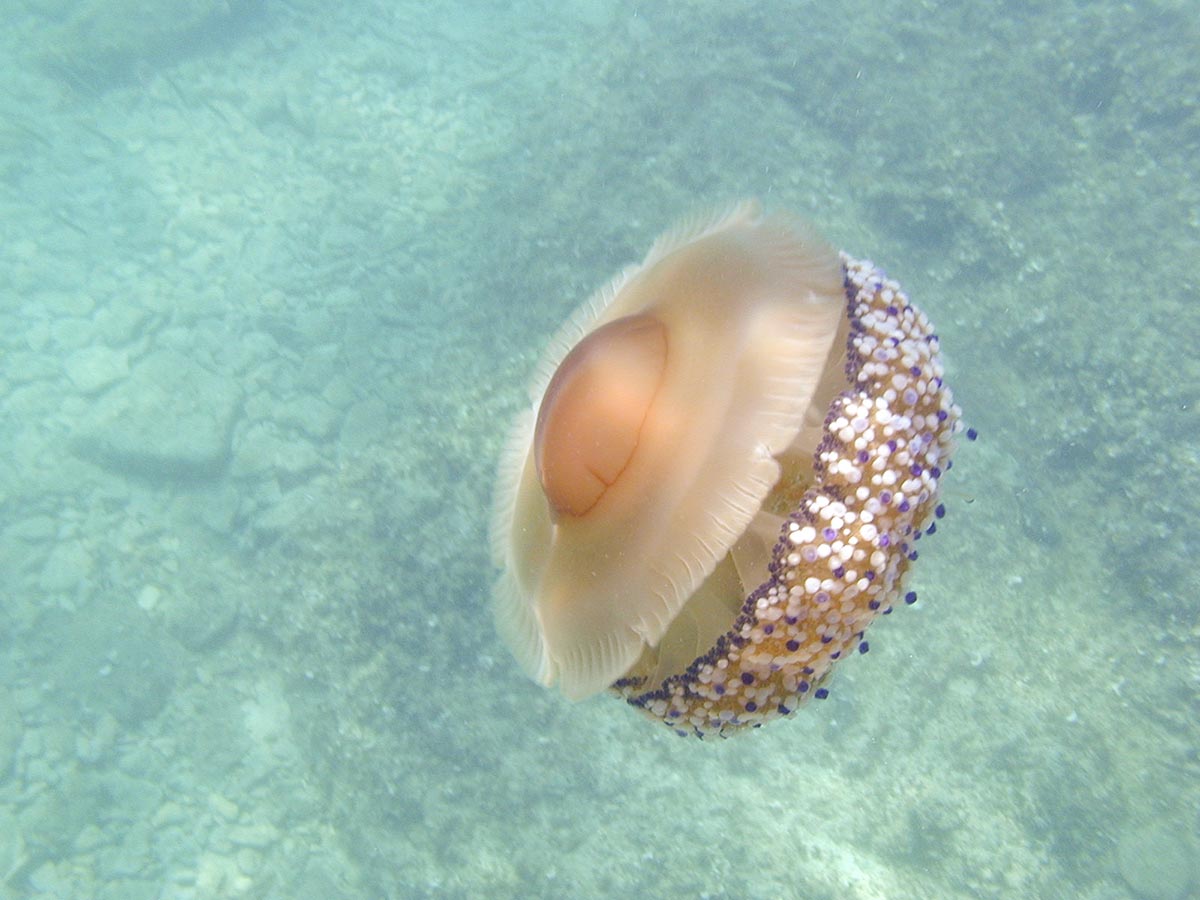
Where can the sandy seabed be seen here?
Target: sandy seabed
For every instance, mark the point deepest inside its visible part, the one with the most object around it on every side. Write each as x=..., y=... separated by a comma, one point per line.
x=274, y=277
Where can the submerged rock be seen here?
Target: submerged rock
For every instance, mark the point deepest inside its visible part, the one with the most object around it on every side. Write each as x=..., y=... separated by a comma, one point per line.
x=170, y=419
x=92, y=369
x=1155, y=862
x=109, y=659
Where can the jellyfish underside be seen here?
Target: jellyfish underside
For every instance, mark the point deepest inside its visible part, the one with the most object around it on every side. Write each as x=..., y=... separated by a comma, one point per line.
x=710, y=612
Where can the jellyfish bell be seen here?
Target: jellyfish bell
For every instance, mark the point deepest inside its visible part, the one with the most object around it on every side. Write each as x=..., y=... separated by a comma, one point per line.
x=656, y=436
x=677, y=438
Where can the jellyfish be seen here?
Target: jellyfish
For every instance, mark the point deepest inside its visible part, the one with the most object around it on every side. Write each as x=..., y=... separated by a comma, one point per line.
x=728, y=455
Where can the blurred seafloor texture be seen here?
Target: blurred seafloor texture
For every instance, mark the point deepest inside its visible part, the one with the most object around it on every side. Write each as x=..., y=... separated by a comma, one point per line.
x=273, y=275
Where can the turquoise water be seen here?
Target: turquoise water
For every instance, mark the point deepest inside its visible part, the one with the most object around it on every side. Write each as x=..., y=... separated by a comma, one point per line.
x=273, y=276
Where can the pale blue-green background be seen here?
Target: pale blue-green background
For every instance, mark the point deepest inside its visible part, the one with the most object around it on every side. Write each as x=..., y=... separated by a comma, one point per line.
x=273, y=274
